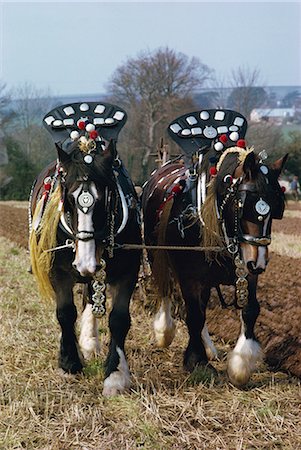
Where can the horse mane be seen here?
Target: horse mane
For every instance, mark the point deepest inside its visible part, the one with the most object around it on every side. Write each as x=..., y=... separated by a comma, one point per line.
x=212, y=235
x=42, y=239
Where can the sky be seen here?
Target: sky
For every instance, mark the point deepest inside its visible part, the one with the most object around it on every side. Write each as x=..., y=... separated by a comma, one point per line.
x=74, y=48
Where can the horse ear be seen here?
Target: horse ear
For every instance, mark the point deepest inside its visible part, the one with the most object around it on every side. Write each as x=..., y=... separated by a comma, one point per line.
x=111, y=149
x=279, y=164
x=249, y=163
x=62, y=155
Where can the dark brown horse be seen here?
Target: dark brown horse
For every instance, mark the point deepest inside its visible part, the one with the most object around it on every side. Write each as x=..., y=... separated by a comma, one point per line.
x=233, y=224
x=82, y=207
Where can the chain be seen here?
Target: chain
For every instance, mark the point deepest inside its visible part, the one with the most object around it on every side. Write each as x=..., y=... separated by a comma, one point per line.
x=241, y=283
x=99, y=287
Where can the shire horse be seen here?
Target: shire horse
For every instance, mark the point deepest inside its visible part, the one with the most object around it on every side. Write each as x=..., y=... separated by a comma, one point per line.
x=82, y=208
x=213, y=210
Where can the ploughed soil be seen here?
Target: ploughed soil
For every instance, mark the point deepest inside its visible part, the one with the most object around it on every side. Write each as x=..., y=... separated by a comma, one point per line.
x=279, y=293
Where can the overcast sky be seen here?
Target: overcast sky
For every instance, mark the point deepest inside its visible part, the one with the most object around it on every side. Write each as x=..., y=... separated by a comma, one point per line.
x=74, y=47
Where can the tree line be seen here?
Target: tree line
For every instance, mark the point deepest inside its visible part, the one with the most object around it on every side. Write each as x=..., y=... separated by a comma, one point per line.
x=154, y=87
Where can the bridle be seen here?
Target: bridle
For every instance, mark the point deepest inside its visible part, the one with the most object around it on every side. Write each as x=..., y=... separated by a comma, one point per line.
x=114, y=200
x=237, y=193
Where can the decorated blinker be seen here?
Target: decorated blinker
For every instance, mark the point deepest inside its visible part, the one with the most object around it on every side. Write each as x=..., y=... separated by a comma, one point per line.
x=196, y=131
x=96, y=121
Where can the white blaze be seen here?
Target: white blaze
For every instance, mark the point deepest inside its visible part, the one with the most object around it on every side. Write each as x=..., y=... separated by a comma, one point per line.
x=85, y=260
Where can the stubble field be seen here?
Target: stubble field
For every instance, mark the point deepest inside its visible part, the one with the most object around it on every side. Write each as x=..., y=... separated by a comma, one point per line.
x=166, y=408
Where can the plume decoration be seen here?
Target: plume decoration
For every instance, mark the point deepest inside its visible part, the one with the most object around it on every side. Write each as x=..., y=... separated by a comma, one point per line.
x=45, y=238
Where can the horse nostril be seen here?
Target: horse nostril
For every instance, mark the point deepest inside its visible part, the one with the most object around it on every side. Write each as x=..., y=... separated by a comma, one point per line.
x=251, y=267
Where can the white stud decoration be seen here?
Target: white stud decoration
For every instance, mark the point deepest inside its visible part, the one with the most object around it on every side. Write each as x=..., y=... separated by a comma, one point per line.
x=90, y=127
x=49, y=120
x=264, y=170
x=221, y=130
x=74, y=135
x=88, y=159
x=119, y=115
x=234, y=136
x=204, y=115
x=84, y=107
x=68, y=110
x=186, y=132
x=99, y=109
x=195, y=131
x=218, y=146
x=175, y=127
x=109, y=120
x=233, y=128
x=238, y=121
x=219, y=115
x=57, y=123
x=68, y=122
x=191, y=120
x=210, y=132
x=99, y=121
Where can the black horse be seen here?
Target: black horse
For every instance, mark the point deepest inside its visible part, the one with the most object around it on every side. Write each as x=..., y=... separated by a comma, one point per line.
x=219, y=209
x=82, y=207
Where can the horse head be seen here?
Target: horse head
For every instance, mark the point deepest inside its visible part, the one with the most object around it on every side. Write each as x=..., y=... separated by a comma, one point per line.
x=89, y=191
x=248, y=198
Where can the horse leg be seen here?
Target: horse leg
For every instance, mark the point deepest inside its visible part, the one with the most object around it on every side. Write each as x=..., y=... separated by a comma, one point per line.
x=88, y=338
x=196, y=298
x=117, y=374
x=211, y=351
x=164, y=325
x=247, y=352
x=69, y=356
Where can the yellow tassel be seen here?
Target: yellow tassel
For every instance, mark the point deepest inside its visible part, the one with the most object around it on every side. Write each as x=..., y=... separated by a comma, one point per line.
x=44, y=238
x=211, y=232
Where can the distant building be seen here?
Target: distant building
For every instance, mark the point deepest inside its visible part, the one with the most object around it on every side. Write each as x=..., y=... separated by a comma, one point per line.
x=275, y=115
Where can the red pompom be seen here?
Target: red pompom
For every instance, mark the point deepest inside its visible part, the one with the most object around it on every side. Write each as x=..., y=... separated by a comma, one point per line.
x=81, y=125
x=223, y=138
x=93, y=134
x=283, y=188
x=241, y=143
x=213, y=171
x=176, y=189
x=47, y=186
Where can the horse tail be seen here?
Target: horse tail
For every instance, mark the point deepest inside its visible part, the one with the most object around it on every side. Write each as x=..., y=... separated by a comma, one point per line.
x=160, y=268
x=211, y=231
x=44, y=238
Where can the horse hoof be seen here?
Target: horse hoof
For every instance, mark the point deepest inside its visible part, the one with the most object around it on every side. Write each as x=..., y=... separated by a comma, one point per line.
x=164, y=339
x=238, y=370
x=90, y=348
x=115, y=384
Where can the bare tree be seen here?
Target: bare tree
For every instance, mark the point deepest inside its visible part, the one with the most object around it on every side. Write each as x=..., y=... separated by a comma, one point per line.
x=247, y=91
x=153, y=87
x=30, y=105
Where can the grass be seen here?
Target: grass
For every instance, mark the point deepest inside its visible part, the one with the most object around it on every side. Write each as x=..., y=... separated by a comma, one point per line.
x=166, y=409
